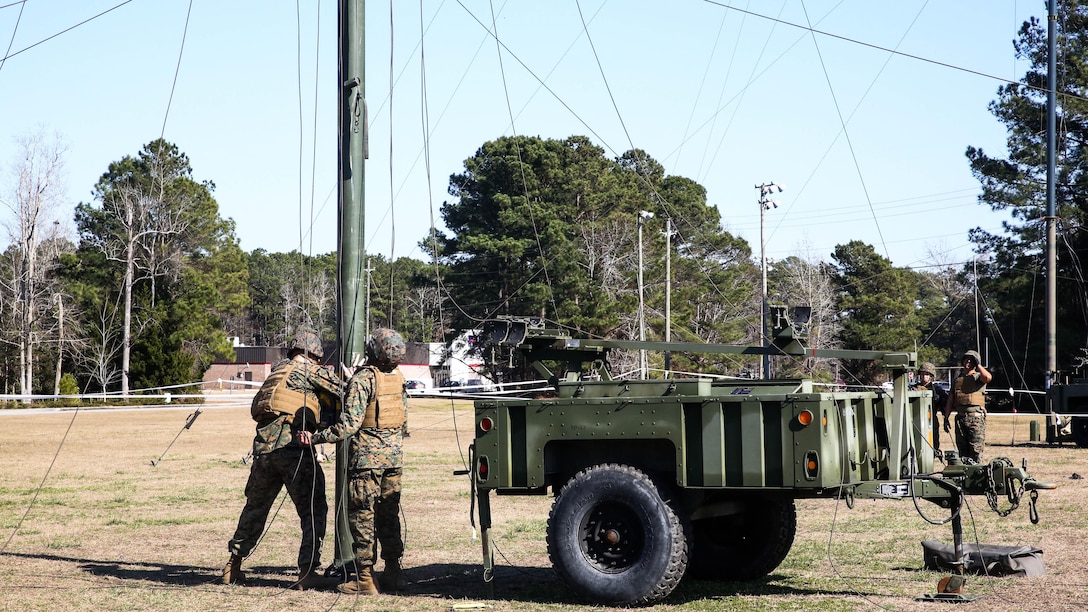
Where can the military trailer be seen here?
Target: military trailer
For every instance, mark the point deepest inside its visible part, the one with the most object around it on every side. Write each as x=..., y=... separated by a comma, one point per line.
x=654, y=479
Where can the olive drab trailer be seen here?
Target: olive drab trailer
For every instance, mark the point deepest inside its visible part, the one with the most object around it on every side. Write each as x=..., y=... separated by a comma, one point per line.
x=657, y=478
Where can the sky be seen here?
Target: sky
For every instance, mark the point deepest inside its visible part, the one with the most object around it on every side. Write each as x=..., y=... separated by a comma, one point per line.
x=732, y=94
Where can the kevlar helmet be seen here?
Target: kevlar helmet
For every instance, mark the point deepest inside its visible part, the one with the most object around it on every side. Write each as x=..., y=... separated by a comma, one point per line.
x=927, y=368
x=973, y=355
x=306, y=341
x=385, y=348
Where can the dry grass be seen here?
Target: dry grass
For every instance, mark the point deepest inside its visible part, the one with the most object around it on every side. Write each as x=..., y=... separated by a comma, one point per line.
x=107, y=530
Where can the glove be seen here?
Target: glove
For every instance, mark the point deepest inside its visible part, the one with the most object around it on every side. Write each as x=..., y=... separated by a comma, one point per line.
x=947, y=426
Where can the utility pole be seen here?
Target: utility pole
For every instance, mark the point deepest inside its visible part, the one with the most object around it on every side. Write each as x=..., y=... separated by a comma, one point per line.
x=765, y=204
x=643, y=216
x=668, y=294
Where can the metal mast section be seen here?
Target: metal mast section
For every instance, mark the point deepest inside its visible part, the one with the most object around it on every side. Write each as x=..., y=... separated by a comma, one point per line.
x=351, y=251
x=1051, y=208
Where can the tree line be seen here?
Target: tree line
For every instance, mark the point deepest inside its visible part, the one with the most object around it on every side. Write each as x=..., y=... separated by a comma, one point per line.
x=155, y=283
x=155, y=286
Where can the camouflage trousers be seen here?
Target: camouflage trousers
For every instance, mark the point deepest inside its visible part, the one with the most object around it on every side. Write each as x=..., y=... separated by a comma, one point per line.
x=936, y=429
x=970, y=434
x=374, y=514
x=298, y=470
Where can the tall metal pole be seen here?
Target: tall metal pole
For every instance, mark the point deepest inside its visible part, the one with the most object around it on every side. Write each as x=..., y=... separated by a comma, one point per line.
x=765, y=202
x=765, y=364
x=351, y=148
x=641, y=307
x=1051, y=208
x=978, y=315
x=668, y=294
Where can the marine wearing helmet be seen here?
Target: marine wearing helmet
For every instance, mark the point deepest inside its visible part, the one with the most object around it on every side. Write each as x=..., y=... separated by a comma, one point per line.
x=385, y=349
x=305, y=341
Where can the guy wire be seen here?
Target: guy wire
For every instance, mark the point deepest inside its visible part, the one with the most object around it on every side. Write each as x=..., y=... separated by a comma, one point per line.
x=42, y=483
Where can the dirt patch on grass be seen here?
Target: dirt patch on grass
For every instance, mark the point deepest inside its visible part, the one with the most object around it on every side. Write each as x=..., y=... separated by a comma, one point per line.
x=108, y=530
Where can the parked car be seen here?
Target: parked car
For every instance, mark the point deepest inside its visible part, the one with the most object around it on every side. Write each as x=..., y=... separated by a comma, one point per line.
x=477, y=384
x=415, y=385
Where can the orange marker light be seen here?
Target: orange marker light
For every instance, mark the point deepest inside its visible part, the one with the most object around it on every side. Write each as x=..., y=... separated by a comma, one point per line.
x=805, y=417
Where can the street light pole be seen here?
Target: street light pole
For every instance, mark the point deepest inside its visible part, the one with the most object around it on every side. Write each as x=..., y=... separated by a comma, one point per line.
x=643, y=216
x=765, y=203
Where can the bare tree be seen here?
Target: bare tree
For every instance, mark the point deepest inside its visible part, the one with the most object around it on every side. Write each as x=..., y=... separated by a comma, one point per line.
x=802, y=280
x=34, y=200
x=424, y=306
x=608, y=254
x=146, y=224
x=319, y=297
x=99, y=353
x=945, y=277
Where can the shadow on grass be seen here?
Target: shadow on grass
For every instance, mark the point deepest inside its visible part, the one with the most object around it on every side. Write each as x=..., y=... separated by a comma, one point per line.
x=1063, y=445
x=542, y=585
x=692, y=590
x=446, y=581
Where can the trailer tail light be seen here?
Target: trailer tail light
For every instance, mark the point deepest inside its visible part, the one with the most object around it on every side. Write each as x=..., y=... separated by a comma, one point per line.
x=486, y=424
x=481, y=468
x=812, y=465
x=805, y=417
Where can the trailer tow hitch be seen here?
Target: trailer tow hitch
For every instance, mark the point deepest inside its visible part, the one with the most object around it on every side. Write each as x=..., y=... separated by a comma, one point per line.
x=999, y=476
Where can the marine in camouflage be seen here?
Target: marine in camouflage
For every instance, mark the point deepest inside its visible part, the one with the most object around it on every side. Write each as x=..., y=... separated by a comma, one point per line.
x=969, y=401
x=939, y=399
x=279, y=461
x=376, y=454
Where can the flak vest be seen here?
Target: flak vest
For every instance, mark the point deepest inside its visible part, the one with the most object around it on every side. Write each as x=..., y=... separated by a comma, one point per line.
x=386, y=407
x=968, y=392
x=274, y=399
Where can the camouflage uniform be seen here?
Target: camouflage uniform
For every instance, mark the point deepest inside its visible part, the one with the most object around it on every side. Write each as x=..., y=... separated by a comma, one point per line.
x=940, y=398
x=278, y=461
x=375, y=465
x=970, y=407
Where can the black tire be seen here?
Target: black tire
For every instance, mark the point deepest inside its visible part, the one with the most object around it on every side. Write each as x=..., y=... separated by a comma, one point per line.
x=613, y=540
x=745, y=545
x=1079, y=427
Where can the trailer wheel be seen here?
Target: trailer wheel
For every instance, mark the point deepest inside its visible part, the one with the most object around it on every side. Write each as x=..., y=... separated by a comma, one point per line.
x=746, y=545
x=613, y=540
x=1079, y=426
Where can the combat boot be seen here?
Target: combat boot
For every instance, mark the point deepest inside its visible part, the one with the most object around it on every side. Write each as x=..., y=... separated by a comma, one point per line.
x=392, y=579
x=364, y=585
x=309, y=578
x=232, y=571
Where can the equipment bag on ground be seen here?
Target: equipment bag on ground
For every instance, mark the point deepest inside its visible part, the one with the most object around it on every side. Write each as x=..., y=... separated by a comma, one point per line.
x=989, y=559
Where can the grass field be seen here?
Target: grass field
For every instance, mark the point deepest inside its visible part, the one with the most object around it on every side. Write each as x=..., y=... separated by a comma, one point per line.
x=88, y=523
